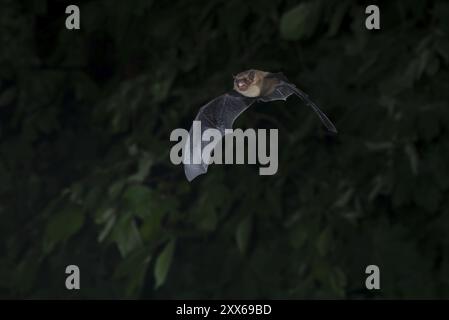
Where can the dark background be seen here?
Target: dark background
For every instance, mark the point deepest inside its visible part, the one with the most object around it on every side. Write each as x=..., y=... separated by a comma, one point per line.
x=86, y=179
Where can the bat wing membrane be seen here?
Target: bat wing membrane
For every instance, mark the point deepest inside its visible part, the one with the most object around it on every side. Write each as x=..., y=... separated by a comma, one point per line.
x=285, y=89
x=220, y=114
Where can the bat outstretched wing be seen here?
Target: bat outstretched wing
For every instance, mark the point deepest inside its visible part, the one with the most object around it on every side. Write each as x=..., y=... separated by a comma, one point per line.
x=285, y=88
x=220, y=114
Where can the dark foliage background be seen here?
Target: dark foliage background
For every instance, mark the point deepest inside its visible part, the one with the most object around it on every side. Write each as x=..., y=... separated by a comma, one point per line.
x=85, y=175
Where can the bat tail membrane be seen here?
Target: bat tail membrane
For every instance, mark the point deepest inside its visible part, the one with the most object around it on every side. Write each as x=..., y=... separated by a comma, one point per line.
x=328, y=124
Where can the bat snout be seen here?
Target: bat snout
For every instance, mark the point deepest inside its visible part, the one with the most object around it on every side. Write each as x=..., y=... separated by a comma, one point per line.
x=241, y=84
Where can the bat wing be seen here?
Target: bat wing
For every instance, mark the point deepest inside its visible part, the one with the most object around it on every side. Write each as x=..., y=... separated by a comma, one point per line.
x=220, y=114
x=285, y=88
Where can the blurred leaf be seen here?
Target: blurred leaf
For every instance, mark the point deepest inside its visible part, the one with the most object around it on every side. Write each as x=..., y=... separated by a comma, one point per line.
x=116, y=188
x=145, y=164
x=108, y=219
x=337, y=17
x=323, y=241
x=243, y=234
x=163, y=263
x=126, y=235
x=62, y=226
x=133, y=269
x=138, y=198
x=301, y=21
x=413, y=157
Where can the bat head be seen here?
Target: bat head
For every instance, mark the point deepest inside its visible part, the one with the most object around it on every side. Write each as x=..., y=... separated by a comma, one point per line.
x=244, y=80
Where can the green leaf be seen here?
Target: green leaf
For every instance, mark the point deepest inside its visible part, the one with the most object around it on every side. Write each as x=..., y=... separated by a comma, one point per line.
x=138, y=199
x=107, y=228
x=344, y=198
x=133, y=269
x=208, y=221
x=145, y=164
x=163, y=263
x=63, y=225
x=337, y=17
x=116, y=188
x=243, y=234
x=323, y=241
x=301, y=21
x=126, y=235
x=337, y=281
x=410, y=150
x=151, y=227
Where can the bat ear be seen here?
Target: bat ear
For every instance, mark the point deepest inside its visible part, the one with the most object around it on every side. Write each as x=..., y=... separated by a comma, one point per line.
x=251, y=75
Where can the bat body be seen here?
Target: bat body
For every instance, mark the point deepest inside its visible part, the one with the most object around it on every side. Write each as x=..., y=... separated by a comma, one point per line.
x=249, y=86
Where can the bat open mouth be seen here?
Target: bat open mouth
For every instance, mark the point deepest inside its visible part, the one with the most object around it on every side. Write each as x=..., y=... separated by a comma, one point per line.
x=241, y=84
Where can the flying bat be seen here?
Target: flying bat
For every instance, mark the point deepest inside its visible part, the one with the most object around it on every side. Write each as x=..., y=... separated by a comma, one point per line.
x=249, y=86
